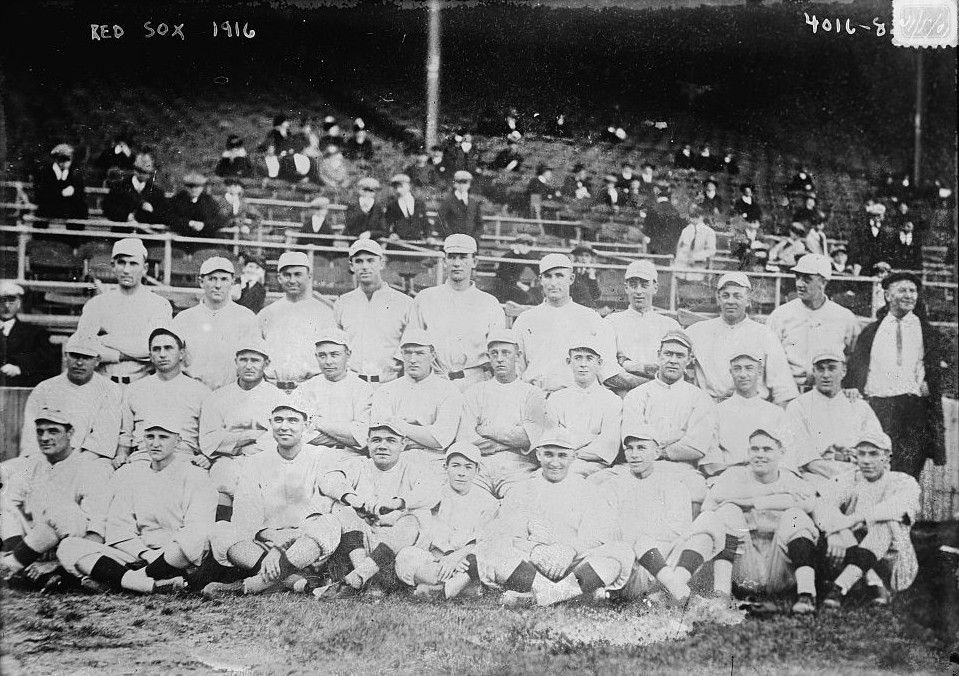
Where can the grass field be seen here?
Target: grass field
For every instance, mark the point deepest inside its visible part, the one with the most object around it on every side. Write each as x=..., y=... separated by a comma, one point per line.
x=286, y=634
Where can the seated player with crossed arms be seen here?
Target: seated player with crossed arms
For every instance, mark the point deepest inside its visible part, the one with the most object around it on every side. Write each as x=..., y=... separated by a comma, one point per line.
x=158, y=524
x=60, y=492
x=865, y=516
x=281, y=523
x=770, y=536
x=553, y=538
x=443, y=562
x=378, y=499
x=653, y=510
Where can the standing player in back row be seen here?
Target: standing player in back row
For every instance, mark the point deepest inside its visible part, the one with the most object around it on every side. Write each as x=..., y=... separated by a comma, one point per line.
x=459, y=316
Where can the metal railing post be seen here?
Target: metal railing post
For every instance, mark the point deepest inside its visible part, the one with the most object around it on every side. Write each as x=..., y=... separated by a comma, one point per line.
x=440, y=270
x=168, y=259
x=778, y=291
x=22, y=239
x=673, y=291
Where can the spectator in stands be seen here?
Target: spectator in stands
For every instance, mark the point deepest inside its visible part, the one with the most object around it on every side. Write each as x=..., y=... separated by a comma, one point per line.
x=576, y=186
x=707, y=161
x=907, y=248
x=278, y=150
x=870, y=242
x=26, y=355
x=801, y=181
x=816, y=241
x=809, y=213
x=405, y=216
x=193, y=211
x=250, y=290
x=461, y=211
x=609, y=195
x=316, y=221
x=730, y=164
x=637, y=195
x=236, y=212
x=747, y=245
x=663, y=223
x=613, y=134
x=117, y=158
x=840, y=260
x=364, y=217
x=697, y=243
x=787, y=251
x=332, y=133
x=747, y=205
x=309, y=140
x=463, y=155
x=585, y=287
x=540, y=191
x=647, y=177
x=904, y=213
x=137, y=198
x=683, y=159
x=59, y=188
x=512, y=284
x=509, y=159
x=234, y=162
x=332, y=170
x=441, y=168
x=420, y=171
x=359, y=146
x=710, y=201
x=625, y=177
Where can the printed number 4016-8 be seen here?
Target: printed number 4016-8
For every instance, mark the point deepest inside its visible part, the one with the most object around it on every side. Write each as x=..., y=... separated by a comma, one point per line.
x=232, y=30
x=838, y=25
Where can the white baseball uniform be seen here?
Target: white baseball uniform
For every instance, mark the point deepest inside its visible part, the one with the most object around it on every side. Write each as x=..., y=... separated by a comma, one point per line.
x=592, y=416
x=345, y=403
x=374, y=326
x=180, y=397
x=211, y=339
x=434, y=403
x=289, y=329
x=739, y=417
x=804, y=332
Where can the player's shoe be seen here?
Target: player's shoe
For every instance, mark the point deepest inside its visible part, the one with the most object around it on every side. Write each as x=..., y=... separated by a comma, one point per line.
x=878, y=595
x=804, y=605
x=91, y=586
x=430, y=592
x=515, y=599
x=834, y=597
x=337, y=590
x=216, y=589
x=170, y=585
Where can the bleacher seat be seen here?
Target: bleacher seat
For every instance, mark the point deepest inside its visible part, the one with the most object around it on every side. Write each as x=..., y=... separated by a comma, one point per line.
x=53, y=260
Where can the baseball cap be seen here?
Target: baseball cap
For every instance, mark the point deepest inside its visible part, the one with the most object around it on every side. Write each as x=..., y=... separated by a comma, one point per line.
x=676, y=336
x=814, y=264
x=366, y=244
x=502, y=336
x=642, y=269
x=399, y=178
x=459, y=243
x=335, y=336
x=129, y=246
x=53, y=415
x=468, y=451
x=369, y=183
x=877, y=439
x=380, y=425
x=737, y=278
x=462, y=176
x=772, y=435
x=554, y=260
x=252, y=343
x=639, y=430
x=750, y=352
x=585, y=341
x=416, y=337
x=293, y=402
x=8, y=288
x=217, y=264
x=320, y=202
x=829, y=354
x=525, y=237
x=556, y=437
x=194, y=178
x=78, y=344
x=163, y=421
x=291, y=258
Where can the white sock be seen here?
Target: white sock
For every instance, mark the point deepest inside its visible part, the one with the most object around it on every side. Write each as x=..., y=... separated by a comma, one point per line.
x=137, y=580
x=873, y=579
x=541, y=584
x=11, y=564
x=723, y=576
x=565, y=589
x=848, y=577
x=806, y=580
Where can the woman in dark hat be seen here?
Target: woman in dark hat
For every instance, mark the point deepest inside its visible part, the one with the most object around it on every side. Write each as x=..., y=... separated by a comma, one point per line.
x=234, y=162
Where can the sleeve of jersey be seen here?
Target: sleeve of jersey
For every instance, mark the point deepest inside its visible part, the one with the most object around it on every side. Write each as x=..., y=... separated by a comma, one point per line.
x=28, y=434
x=105, y=431
x=422, y=487
x=213, y=432
x=194, y=535
x=126, y=418
x=832, y=496
x=701, y=429
x=779, y=378
x=803, y=448
x=598, y=524
x=447, y=418
x=121, y=529
x=96, y=497
x=466, y=430
x=901, y=504
x=534, y=416
x=362, y=411
x=337, y=483
x=607, y=347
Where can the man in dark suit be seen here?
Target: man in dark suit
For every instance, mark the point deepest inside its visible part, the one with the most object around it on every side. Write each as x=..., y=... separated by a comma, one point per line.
x=26, y=354
x=464, y=155
x=59, y=189
x=906, y=248
x=461, y=211
x=364, y=217
x=193, y=211
x=870, y=242
x=747, y=205
x=137, y=198
x=663, y=224
x=405, y=216
x=898, y=366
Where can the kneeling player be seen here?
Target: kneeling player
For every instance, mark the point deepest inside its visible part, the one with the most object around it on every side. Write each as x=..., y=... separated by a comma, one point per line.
x=765, y=511
x=443, y=562
x=378, y=501
x=552, y=540
x=865, y=515
x=60, y=493
x=654, y=513
x=281, y=524
x=158, y=524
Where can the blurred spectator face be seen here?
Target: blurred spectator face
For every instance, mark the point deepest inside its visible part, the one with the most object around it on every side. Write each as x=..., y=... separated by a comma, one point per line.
x=462, y=185
x=810, y=288
x=195, y=191
x=80, y=367
x=747, y=192
x=840, y=258
x=901, y=297
x=810, y=203
x=250, y=367
x=460, y=266
x=547, y=175
x=710, y=189
x=284, y=127
x=556, y=283
x=908, y=226
x=634, y=185
x=522, y=246
x=235, y=191
x=733, y=301
x=360, y=136
x=640, y=293
x=253, y=270
x=421, y=159
x=9, y=307
x=828, y=375
x=63, y=161
x=745, y=373
x=296, y=280
x=367, y=267
x=437, y=156
x=647, y=172
x=401, y=189
x=216, y=286
x=332, y=359
x=368, y=192
x=129, y=270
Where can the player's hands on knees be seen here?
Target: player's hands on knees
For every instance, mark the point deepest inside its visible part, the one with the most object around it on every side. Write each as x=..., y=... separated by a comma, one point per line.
x=448, y=565
x=270, y=568
x=835, y=549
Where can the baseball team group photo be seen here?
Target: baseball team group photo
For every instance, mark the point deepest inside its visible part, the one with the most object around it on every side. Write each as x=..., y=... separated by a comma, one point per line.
x=493, y=339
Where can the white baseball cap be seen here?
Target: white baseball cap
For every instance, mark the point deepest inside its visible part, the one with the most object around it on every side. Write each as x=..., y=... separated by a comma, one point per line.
x=129, y=246
x=643, y=269
x=459, y=243
x=814, y=264
x=639, y=430
x=585, y=341
x=508, y=336
x=291, y=258
x=366, y=244
x=81, y=344
x=252, y=343
x=416, y=337
x=737, y=278
x=8, y=288
x=335, y=336
x=558, y=437
x=554, y=260
x=217, y=264
x=468, y=451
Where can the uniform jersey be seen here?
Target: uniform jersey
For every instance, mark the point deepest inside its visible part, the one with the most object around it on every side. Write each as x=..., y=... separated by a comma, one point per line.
x=93, y=410
x=434, y=403
x=742, y=482
x=232, y=409
x=411, y=479
x=804, y=332
x=457, y=520
x=512, y=413
x=738, y=417
x=374, y=326
x=346, y=401
x=592, y=416
x=655, y=510
x=638, y=333
x=289, y=329
x=211, y=338
x=817, y=422
x=181, y=398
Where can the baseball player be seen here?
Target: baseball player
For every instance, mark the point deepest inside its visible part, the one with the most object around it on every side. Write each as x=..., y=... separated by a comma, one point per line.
x=423, y=407
x=715, y=339
x=89, y=399
x=373, y=315
x=289, y=324
x=746, y=410
x=503, y=418
x=811, y=322
x=654, y=515
x=553, y=538
x=212, y=329
x=378, y=500
x=235, y=417
x=683, y=414
x=638, y=328
x=443, y=562
x=865, y=516
x=458, y=316
x=544, y=330
x=281, y=523
x=590, y=413
x=122, y=318
x=825, y=423
x=339, y=401
x=60, y=493
x=765, y=511
x=158, y=524
x=168, y=393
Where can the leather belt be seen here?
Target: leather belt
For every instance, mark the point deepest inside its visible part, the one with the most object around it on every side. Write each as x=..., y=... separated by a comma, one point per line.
x=459, y=375
x=121, y=380
x=286, y=384
x=369, y=379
